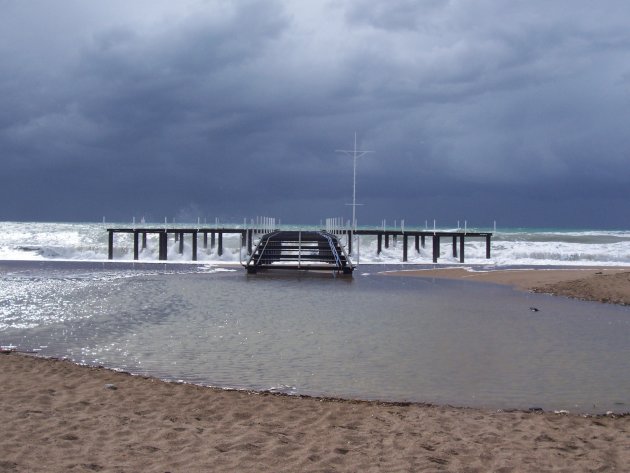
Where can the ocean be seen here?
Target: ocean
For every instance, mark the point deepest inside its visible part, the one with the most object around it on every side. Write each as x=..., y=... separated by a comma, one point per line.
x=510, y=246
x=366, y=337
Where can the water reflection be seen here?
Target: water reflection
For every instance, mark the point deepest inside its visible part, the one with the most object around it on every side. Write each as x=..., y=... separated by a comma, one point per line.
x=368, y=336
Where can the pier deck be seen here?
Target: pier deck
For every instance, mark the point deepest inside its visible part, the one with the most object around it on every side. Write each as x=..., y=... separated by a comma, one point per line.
x=248, y=235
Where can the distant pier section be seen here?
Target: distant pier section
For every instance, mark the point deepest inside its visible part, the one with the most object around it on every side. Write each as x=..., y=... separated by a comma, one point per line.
x=213, y=236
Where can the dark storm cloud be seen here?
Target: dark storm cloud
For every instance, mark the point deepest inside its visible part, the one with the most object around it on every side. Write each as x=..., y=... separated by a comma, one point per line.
x=509, y=110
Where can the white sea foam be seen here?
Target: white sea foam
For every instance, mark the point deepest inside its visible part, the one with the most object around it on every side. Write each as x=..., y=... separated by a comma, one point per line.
x=89, y=242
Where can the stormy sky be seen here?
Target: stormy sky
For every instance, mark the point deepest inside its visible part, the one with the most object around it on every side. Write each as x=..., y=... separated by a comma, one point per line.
x=479, y=110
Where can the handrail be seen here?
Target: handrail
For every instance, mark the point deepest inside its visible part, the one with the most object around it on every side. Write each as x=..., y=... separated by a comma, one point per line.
x=345, y=254
x=332, y=249
x=262, y=251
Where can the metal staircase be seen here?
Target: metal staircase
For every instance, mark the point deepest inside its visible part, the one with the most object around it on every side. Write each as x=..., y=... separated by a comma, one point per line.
x=299, y=250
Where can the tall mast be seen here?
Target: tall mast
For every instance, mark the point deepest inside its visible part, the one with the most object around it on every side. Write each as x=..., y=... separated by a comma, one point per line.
x=355, y=154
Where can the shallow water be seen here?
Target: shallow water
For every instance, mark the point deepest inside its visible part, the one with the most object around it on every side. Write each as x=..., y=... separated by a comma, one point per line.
x=370, y=336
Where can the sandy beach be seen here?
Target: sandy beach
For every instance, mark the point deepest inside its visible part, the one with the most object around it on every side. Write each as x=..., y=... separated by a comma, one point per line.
x=57, y=417
x=610, y=285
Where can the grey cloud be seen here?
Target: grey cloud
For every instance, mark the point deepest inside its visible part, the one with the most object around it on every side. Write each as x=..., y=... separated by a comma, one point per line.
x=238, y=107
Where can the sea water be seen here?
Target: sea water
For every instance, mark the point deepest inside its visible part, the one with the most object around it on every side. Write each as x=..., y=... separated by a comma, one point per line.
x=89, y=242
x=369, y=336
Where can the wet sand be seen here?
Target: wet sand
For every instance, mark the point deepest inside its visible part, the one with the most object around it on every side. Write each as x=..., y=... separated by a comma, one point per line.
x=58, y=417
x=610, y=285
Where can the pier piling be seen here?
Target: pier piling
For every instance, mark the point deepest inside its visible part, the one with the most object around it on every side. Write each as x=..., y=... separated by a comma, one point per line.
x=194, y=246
x=135, y=245
x=163, y=246
x=247, y=240
x=488, y=246
x=110, y=248
x=436, y=248
x=404, y=248
x=349, y=237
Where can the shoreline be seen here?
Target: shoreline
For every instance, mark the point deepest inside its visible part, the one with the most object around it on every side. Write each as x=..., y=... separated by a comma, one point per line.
x=599, y=284
x=59, y=416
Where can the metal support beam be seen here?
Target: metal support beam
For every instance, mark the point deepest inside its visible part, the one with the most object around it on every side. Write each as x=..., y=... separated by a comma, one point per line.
x=461, y=249
x=135, y=245
x=423, y=242
x=194, y=246
x=205, y=240
x=181, y=242
x=144, y=240
x=110, y=248
x=436, y=248
x=349, y=237
x=404, y=248
x=379, y=244
x=220, y=242
x=386, y=240
x=417, y=238
x=487, y=246
x=212, y=240
x=454, y=246
x=163, y=246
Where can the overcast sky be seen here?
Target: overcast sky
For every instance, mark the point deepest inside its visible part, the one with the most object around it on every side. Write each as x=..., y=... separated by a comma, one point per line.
x=515, y=111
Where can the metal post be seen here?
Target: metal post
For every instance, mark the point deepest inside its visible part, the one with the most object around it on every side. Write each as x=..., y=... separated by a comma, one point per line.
x=205, y=240
x=422, y=241
x=488, y=246
x=249, y=241
x=194, y=245
x=355, y=155
x=144, y=240
x=417, y=238
x=181, y=243
x=454, y=246
x=404, y=248
x=379, y=243
x=163, y=245
x=220, y=249
x=386, y=240
x=110, y=252
x=436, y=248
x=461, y=248
x=212, y=240
x=135, y=245
x=349, y=236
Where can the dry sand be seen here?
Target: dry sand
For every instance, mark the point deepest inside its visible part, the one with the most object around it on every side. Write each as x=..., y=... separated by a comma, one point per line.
x=60, y=417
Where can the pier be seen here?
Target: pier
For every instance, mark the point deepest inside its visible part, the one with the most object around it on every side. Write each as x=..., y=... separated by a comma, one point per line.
x=457, y=238
x=213, y=237
x=216, y=239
